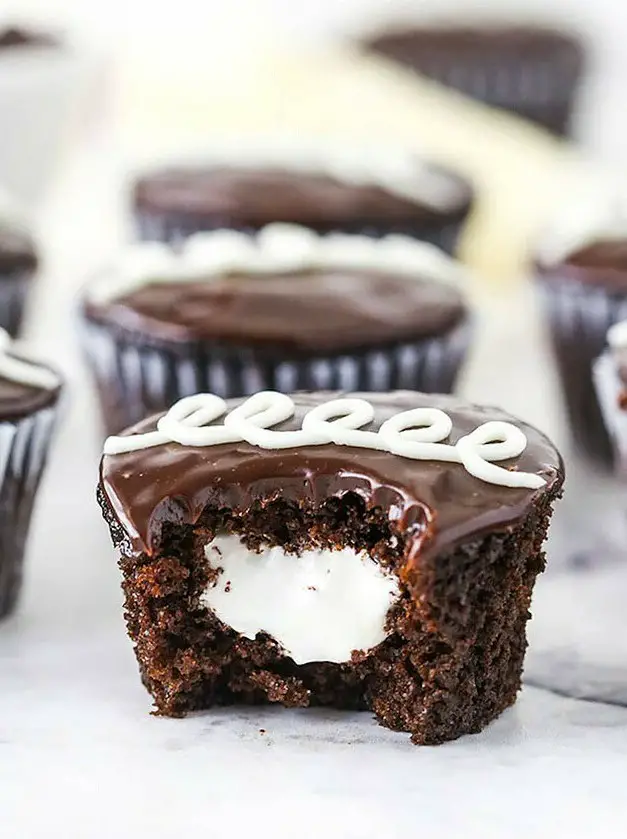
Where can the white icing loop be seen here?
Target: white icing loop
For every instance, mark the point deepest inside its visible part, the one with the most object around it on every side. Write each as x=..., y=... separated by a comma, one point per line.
x=417, y=434
x=276, y=249
x=25, y=372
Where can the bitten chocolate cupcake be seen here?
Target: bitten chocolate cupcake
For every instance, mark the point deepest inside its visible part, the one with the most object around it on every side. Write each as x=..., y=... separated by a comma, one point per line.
x=29, y=393
x=18, y=263
x=352, y=190
x=359, y=551
x=532, y=71
x=583, y=283
x=284, y=309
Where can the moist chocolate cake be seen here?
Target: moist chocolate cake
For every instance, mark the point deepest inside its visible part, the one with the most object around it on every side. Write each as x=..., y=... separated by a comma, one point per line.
x=18, y=263
x=353, y=191
x=285, y=309
x=531, y=71
x=585, y=292
x=313, y=552
x=29, y=393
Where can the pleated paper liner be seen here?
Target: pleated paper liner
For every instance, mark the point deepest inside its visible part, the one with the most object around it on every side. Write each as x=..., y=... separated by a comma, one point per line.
x=24, y=447
x=136, y=379
x=172, y=228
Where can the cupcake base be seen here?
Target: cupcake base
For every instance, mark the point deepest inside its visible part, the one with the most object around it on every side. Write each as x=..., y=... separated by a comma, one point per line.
x=135, y=380
x=436, y=677
x=172, y=228
x=23, y=451
x=580, y=316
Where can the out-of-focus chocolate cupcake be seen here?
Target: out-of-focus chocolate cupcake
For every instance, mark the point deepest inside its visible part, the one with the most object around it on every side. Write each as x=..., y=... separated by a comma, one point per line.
x=18, y=263
x=584, y=288
x=532, y=71
x=21, y=36
x=283, y=309
x=350, y=190
x=29, y=393
x=610, y=379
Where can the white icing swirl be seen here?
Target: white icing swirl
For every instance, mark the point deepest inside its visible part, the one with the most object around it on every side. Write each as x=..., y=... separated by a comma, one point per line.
x=417, y=434
x=399, y=171
x=617, y=335
x=276, y=249
x=25, y=372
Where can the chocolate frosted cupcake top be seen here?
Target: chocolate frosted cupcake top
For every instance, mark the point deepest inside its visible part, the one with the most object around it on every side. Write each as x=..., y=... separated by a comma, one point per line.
x=284, y=288
x=322, y=187
x=441, y=469
x=25, y=385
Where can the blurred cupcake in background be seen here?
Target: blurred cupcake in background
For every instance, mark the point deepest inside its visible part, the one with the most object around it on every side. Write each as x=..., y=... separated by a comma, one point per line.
x=245, y=185
x=532, y=71
x=283, y=309
x=43, y=81
x=29, y=396
x=582, y=277
x=18, y=263
x=610, y=378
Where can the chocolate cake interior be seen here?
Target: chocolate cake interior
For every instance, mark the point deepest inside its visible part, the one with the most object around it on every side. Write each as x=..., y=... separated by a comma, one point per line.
x=458, y=572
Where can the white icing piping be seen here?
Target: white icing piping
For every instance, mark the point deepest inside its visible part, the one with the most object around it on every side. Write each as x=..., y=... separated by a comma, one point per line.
x=617, y=335
x=416, y=434
x=25, y=372
x=276, y=249
x=400, y=172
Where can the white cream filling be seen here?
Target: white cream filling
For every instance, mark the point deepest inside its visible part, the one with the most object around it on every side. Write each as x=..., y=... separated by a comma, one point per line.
x=277, y=248
x=319, y=606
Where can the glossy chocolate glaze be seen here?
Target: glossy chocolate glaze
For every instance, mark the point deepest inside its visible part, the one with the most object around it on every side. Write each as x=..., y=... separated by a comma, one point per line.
x=17, y=252
x=19, y=400
x=602, y=263
x=440, y=503
x=251, y=198
x=319, y=311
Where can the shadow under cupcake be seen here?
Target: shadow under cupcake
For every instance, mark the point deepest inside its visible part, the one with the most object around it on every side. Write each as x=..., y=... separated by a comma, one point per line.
x=352, y=190
x=285, y=310
x=29, y=395
x=532, y=71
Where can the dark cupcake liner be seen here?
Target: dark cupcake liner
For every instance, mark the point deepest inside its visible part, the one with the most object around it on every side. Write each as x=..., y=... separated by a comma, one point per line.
x=173, y=228
x=135, y=379
x=24, y=445
x=579, y=316
x=541, y=87
x=13, y=291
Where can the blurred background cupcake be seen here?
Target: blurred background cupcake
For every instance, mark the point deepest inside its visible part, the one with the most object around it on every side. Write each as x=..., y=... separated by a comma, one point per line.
x=29, y=394
x=582, y=277
x=532, y=71
x=247, y=183
x=18, y=264
x=233, y=313
x=610, y=379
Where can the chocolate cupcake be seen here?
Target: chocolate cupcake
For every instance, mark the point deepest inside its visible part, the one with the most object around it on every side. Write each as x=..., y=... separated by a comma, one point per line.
x=357, y=551
x=29, y=393
x=531, y=71
x=18, y=263
x=284, y=309
x=352, y=190
x=583, y=282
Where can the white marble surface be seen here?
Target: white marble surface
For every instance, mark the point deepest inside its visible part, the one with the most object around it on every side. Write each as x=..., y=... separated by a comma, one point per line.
x=80, y=756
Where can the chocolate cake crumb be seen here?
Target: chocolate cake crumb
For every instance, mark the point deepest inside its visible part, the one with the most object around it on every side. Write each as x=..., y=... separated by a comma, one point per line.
x=451, y=663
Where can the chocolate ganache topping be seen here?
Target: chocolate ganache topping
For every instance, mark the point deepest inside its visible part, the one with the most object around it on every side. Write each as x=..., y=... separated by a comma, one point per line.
x=440, y=502
x=251, y=197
